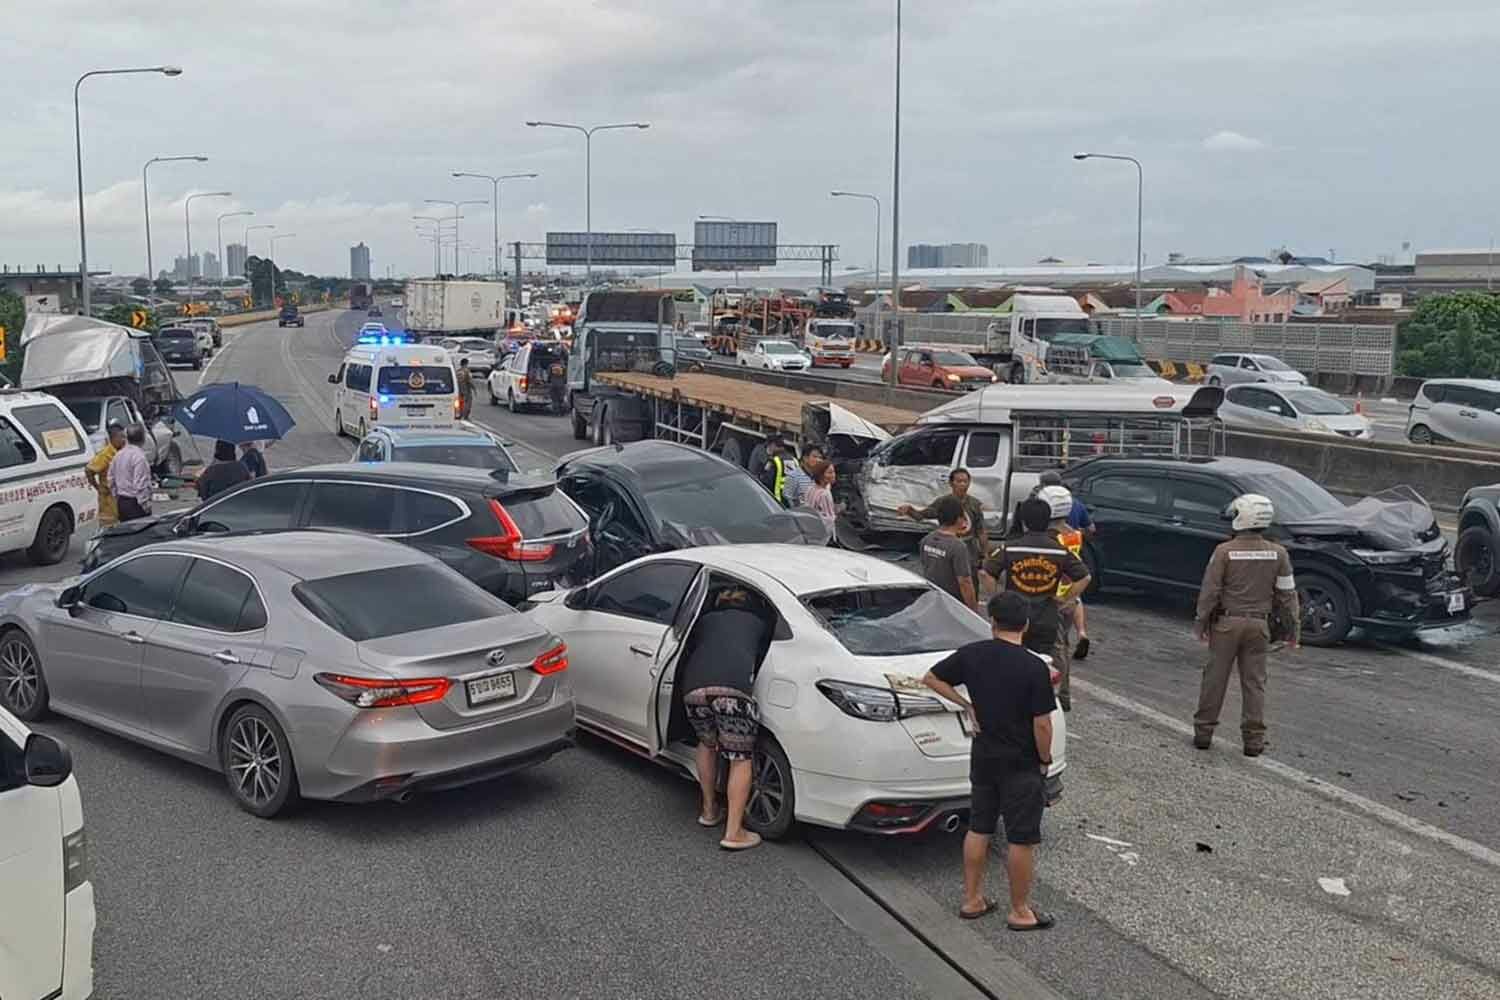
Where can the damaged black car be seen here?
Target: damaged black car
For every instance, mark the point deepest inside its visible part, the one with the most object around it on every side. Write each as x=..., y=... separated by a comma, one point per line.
x=656, y=496
x=1380, y=563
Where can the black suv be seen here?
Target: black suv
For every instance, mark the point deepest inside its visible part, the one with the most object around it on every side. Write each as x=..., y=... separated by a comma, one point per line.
x=1380, y=563
x=1479, y=539
x=512, y=535
x=178, y=345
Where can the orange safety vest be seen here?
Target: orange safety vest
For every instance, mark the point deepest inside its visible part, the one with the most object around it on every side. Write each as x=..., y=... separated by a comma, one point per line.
x=1073, y=539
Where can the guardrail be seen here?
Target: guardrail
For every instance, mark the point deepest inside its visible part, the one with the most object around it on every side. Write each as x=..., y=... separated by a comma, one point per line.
x=241, y=319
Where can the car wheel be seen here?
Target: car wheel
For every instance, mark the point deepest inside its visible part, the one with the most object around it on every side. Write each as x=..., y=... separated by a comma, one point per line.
x=23, y=689
x=257, y=763
x=510, y=402
x=580, y=427
x=1215, y=381
x=494, y=399
x=1325, y=609
x=733, y=452
x=1420, y=434
x=1474, y=558
x=172, y=464
x=54, y=533
x=772, y=807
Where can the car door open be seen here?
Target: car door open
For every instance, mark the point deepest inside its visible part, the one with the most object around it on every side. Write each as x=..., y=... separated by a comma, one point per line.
x=664, y=667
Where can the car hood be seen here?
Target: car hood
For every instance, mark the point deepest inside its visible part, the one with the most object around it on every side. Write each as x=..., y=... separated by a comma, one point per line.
x=795, y=527
x=1297, y=377
x=968, y=372
x=1397, y=520
x=125, y=529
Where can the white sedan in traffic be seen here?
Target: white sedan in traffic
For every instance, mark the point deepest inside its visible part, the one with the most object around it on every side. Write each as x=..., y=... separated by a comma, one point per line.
x=849, y=737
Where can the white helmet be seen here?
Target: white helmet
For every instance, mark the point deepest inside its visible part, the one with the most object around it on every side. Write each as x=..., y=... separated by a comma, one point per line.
x=1252, y=512
x=1058, y=500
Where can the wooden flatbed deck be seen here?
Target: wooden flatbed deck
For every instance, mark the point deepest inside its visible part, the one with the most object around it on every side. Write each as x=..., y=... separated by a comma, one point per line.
x=735, y=398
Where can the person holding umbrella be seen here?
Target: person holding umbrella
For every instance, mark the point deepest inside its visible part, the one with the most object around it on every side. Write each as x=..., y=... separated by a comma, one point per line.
x=232, y=413
x=226, y=471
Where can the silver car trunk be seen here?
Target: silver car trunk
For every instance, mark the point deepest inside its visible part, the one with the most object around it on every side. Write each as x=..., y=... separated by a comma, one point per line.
x=476, y=656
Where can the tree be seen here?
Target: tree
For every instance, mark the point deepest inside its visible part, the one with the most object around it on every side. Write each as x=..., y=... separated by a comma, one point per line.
x=259, y=271
x=163, y=286
x=1454, y=336
x=13, y=318
x=140, y=286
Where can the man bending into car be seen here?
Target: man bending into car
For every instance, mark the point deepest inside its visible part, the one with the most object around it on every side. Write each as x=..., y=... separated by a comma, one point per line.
x=719, y=676
x=1010, y=707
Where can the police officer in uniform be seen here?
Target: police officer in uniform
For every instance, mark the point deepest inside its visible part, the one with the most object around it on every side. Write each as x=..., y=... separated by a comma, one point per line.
x=1247, y=576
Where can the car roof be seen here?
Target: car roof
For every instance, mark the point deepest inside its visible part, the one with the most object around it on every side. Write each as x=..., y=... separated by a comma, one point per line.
x=435, y=435
x=1222, y=465
x=1477, y=383
x=308, y=555
x=803, y=569
x=648, y=459
x=420, y=474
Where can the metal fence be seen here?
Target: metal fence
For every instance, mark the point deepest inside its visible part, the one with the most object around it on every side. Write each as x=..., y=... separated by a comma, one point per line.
x=1342, y=349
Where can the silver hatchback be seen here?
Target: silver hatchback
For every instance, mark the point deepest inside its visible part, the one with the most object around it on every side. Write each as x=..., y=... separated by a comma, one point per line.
x=1234, y=369
x=299, y=664
x=1456, y=410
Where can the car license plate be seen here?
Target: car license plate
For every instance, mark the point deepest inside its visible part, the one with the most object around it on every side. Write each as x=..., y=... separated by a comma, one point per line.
x=497, y=687
x=964, y=724
x=1455, y=602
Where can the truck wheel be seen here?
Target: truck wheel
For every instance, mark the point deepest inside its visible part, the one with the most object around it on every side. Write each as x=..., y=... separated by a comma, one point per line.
x=54, y=533
x=733, y=452
x=1326, y=614
x=600, y=416
x=1474, y=558
x=580, y=427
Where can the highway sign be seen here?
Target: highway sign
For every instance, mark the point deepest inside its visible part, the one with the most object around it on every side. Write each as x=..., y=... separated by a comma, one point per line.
x=723, y=246
x=618, y=249
x=139, y=319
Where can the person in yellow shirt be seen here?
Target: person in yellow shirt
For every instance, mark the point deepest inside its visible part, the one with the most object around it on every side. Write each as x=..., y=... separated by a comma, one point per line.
x=97, y=473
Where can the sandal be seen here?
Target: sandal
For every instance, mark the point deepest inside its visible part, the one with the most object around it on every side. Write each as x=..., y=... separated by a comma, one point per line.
x=715, y=821
x=1081, y=651
x=1043, y=921
x=990, y=906
x=743, y=845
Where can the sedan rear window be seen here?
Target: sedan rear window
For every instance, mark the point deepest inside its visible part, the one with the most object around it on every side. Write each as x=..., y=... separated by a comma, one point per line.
x=896, y=621
x=407, y=380
x=396, y=600
x=544, y=516
x=470, y=456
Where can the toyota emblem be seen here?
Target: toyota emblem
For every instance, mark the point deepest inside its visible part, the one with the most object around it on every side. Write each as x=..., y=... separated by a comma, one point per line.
x=496, y=657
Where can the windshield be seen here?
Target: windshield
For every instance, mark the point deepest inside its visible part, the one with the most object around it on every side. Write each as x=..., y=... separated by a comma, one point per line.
x=1292, y=494
x=87, y=411
x=396, y=600
x=1272, y=364
x=844, y=330
x=1318, y=403
x=472, y=344
x=896, y=621
x=1132, y=369
x=779, y=347
x=729, y=504
x=422, y=380
x=1046, y=328
x=954, y=359
x=470, y=456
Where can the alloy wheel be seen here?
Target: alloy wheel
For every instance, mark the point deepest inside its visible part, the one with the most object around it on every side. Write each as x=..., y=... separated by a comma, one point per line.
x=767, y=789
x=254, y=761
x=1318, y=612
x=20, y=681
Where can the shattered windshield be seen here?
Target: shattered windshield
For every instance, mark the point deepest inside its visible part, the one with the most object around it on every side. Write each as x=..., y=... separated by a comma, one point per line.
x=896, y=621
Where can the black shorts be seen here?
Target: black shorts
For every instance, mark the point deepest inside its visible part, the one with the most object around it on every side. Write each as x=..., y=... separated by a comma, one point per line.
x=1014, y=795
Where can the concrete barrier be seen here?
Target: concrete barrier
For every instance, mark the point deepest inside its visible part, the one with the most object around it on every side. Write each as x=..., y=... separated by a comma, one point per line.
x=1359, y=468
x=242, y=319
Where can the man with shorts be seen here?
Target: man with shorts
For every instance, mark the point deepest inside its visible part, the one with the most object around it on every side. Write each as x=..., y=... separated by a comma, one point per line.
x=719, y=676
x=1010, y=707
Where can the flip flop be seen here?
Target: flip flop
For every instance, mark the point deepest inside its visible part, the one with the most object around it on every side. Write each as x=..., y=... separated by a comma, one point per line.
x=1081, y=651
x=990, y=906
x=1043, y=921
x=729, y=845
x=705, y=821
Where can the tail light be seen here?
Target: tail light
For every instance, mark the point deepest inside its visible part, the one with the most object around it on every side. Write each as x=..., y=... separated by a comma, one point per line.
x=509, y=544
x=458, y=406
x=372, y=692
x=553, y=661
x=374, y=410
x=521, y=383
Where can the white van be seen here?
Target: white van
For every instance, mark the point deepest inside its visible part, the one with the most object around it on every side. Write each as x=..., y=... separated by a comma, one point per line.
x=44, y=497
x=46, y=898
x=394, y=385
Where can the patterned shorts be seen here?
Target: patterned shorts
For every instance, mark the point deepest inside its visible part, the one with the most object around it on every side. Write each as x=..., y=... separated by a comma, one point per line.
x=724, y=718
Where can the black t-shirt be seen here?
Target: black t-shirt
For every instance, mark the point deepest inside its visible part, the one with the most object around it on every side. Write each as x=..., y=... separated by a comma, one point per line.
x=1032, y=566
x=1008, y=687
x=219, y=476
x=726, y=645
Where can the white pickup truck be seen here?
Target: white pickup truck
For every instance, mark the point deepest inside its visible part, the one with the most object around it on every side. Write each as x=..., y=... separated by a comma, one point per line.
x=774, y=355
x=162, y=448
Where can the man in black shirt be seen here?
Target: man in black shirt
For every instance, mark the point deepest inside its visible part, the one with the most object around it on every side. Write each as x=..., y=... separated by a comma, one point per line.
x=224, y=472
x=1033, y=566
x=1010, y=706
x=719, y=678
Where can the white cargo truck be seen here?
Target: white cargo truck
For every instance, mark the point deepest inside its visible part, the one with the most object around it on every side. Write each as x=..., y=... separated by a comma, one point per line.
x=439, y=308
x=1011, y=342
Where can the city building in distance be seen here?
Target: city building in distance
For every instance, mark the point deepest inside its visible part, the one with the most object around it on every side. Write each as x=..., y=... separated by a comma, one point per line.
x=359, y=262
x=947, y=255
x=235, y=255
x=211, y=266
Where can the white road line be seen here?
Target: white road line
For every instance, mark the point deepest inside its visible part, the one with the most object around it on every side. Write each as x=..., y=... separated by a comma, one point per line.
x=1307, y=782
x=1447, y=664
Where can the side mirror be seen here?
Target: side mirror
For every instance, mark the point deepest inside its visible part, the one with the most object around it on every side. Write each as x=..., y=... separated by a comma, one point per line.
x=69, y=597
x=48, y=763
x=333, y=380
x=577, y=598
x=185, y=527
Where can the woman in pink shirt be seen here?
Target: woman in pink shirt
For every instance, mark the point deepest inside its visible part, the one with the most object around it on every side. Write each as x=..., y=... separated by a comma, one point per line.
x=819, y=499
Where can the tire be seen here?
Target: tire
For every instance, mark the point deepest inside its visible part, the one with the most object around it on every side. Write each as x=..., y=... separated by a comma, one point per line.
x=54, y=533
x=771, y=811
x=338, y=424
x=1420, y=434
x=494, y=399
x=256, y=760
x=1475, y=560
x=1215, y=381
x=172, y=464
x=733, y=452
x=607, y=432
x=1326, y=614
x=510, y=402
x=580, y=427
x=23, y=689
x=362, y=429
x=600, y=416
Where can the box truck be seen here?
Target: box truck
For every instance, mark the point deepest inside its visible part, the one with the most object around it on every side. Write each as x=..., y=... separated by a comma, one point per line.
x=440, y=308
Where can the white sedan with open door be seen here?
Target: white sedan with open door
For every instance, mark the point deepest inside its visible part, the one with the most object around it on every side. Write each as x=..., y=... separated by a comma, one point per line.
x=849, y=737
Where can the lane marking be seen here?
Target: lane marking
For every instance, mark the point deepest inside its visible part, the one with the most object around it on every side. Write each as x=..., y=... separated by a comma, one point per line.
x=1334, y=793
x=1447, y=664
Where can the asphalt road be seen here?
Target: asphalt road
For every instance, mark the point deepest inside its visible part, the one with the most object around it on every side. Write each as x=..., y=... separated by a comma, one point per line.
x=1174, y=873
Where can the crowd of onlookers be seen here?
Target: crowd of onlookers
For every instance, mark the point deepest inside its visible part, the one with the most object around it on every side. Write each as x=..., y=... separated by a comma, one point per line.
x=120, y=473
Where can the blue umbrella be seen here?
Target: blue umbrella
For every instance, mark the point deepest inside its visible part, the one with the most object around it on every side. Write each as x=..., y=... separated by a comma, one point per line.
x=235, y=413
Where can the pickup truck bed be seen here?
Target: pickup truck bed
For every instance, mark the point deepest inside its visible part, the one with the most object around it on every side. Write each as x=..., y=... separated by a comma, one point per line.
x=735, y=398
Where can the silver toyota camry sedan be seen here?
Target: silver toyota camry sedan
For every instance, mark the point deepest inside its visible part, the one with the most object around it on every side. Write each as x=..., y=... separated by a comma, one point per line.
x=299, y=664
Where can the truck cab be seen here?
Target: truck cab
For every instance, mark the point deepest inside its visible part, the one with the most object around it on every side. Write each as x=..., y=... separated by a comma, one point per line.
x=617, y=332
x=96, y=412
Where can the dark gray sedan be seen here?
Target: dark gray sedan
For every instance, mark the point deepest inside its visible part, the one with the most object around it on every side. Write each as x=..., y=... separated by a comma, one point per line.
x=299, y=664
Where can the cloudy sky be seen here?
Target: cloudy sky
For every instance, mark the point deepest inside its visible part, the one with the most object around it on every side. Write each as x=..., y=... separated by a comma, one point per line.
x=1350, y=125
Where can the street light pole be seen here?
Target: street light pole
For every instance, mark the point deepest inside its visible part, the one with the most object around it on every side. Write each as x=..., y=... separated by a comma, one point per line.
x=896, y=214
x=83, y=237
x=870, y=197
x=278, y=236
x=1140, y=188
x=187, y=224
x=223, y=270
x=495, y=185
x=456, y=206
x=588, y=180
x=437, y=232
x=146, y=198
x=248, y=230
